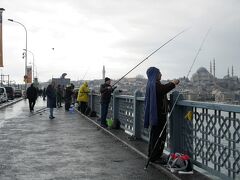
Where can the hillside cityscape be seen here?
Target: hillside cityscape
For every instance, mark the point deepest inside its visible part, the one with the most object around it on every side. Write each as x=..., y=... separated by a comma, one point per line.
x=202, y=86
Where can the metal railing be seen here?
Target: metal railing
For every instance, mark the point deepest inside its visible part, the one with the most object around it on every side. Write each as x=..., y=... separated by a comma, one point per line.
x=211, y=138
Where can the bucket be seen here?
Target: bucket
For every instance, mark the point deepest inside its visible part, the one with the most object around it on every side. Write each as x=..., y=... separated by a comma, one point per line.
x=109, y=122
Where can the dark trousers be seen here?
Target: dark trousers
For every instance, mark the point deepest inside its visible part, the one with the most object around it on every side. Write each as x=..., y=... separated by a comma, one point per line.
x=104, y=111
x=68, y=102
x=31, y=104
x=83, y=106
x=59, y=101
x=154, y=136
x=67, y=105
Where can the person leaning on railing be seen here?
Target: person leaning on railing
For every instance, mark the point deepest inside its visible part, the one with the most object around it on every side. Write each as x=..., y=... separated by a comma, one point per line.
x=156, y=109
x=106, y=89
x=82, y=97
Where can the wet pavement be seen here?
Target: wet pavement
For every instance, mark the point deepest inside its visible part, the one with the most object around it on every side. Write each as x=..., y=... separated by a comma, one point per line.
x=67, y=147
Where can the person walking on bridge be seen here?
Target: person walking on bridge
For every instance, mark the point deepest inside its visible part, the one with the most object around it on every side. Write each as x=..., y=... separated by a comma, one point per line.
x=156, y=109
x=51, y=98
x=59, y=96
x=32, y=96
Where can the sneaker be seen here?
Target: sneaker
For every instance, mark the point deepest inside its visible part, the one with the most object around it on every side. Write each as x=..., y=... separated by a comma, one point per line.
x=104, y=125
x=51, y=117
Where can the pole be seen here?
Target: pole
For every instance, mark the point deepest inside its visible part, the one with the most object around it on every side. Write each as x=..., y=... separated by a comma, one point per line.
x=1, y=44
x=33, y=61
x=8, y=79
x=1, y=80
x=26, y=50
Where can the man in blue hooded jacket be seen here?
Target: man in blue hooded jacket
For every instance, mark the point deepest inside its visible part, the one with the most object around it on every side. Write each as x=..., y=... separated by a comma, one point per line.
x=156, y=109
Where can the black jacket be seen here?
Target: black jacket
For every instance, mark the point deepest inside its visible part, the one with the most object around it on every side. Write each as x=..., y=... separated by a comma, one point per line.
x=32, y=93
x=51, y=96
x=105, y=90
x=162, y=101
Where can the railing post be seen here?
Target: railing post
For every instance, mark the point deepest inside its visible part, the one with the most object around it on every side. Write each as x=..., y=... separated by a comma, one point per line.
x=181, y=134
x=91, y=100
x=136, y=116
x=115, y=106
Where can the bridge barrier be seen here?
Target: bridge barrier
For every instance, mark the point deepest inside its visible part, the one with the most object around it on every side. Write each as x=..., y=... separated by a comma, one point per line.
x=211, y=137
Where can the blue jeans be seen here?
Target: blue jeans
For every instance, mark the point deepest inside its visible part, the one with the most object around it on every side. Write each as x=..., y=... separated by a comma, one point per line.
x=104, y=111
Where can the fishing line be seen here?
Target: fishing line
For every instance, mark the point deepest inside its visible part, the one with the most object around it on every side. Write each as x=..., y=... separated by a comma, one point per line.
x=150, y=55
x=85, y=74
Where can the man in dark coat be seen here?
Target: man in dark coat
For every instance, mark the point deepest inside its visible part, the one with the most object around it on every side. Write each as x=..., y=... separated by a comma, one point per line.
x=105, y=89
x=44, y=93
x=59, y=96
x=156, y=109
x=68, y=96
x=51, y=98
x=32, y=97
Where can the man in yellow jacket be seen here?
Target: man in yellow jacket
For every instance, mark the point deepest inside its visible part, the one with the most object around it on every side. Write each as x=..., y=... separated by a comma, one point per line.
x=83, y=97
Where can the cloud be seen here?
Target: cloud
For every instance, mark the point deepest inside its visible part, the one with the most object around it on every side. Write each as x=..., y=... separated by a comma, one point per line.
x=120, y=34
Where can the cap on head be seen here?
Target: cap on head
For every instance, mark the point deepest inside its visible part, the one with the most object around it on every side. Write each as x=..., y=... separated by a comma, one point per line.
x=107, y=79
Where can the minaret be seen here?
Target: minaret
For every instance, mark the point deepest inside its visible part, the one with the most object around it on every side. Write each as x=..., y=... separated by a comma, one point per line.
x=228, y=72
x=103, y=72
x=210, y=67
x=232, y=71
x=214, y=67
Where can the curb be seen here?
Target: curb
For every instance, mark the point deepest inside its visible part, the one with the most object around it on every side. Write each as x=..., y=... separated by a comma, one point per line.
x=165, y=171
x=10, y=103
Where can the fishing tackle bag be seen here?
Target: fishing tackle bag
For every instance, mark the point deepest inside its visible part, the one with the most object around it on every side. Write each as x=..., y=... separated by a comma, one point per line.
x=181, y=163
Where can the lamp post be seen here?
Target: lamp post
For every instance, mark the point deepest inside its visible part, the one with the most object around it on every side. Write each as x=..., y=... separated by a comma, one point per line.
x=26, y=51
x=1, y=47
x=33, y=60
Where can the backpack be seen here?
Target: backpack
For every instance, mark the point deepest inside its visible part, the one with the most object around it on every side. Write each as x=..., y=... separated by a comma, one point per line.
x=181, y=163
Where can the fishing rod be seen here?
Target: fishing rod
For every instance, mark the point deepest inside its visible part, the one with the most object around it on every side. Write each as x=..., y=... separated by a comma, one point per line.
x=149, y=56
x=200, y=48
x=85, y=74
x=175, y=102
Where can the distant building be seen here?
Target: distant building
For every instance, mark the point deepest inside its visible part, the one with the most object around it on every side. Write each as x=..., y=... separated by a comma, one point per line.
x=205, y=87
x=202, y=77
x=62, y=80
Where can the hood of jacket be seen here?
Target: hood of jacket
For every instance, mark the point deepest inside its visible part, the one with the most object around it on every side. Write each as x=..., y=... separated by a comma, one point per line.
x=150, y=108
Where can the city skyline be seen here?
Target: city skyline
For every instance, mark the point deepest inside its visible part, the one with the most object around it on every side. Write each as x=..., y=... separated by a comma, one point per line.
x=79, y=37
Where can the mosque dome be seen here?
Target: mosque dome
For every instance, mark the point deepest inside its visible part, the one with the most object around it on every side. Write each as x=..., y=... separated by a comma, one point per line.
x=203, y=76
x=202, y=70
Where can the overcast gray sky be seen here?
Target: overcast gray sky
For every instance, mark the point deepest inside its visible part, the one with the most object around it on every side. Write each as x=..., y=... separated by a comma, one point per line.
x=87, y=34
